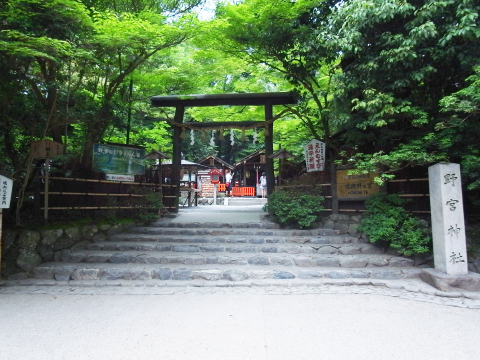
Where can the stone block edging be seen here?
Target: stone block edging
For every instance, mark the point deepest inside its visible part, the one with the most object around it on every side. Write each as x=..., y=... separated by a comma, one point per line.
x=23, y=250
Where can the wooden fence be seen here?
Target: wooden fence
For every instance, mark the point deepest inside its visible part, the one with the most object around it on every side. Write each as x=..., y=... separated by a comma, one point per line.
x=416, y=190
x=71, y=197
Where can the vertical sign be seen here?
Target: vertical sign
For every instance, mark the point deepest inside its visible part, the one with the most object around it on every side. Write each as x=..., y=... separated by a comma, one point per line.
x=448, y=226
x=6, y=185
x=315, y=155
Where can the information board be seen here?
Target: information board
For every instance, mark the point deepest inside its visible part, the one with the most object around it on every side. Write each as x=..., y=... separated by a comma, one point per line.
x=113, y=159
x=356, y=186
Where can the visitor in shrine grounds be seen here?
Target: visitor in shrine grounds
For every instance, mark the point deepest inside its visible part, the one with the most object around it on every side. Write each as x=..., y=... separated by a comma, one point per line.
x=263, y=184
x=228, y=182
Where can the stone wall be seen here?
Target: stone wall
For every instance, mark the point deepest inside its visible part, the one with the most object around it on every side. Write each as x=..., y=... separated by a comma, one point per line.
x=344, y=224
x=23, y=250
x=348, y=224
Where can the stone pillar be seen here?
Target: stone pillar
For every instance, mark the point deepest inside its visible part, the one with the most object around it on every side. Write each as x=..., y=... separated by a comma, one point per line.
x=448, y=226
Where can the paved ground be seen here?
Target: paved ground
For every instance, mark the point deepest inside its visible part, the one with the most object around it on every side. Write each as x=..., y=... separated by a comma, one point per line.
x=195, y=320
x=220, y=213
x=236, y=323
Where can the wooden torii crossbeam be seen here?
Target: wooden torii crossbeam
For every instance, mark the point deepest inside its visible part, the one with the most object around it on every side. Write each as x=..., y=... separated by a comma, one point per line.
x=180, y=102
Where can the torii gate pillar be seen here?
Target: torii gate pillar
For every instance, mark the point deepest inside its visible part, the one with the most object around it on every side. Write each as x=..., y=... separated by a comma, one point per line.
x=177, y=155
x=269, y=149
x=238, y=99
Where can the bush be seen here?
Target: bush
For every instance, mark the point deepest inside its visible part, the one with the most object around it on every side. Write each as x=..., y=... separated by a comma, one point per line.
x=387, y=220
x=300, y=210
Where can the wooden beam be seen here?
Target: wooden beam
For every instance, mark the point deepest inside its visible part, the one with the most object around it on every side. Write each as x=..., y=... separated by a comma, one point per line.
x=239, y=99
x=224, y=124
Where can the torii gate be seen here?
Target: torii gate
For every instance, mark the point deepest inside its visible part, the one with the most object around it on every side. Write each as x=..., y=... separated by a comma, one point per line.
x=180, y=102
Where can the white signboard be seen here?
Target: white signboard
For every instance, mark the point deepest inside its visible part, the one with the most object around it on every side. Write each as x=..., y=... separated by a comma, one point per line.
x=315, y=155
x=116, y=177
x=6, y=185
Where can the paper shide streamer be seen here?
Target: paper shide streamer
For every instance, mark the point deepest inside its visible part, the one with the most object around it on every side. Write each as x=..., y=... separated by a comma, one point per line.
x=192, y=137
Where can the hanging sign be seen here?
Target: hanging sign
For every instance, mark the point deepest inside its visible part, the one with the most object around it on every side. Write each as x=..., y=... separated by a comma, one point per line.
x=113, y=159
x=315, y=155
x=6, y=185
x=45, y=149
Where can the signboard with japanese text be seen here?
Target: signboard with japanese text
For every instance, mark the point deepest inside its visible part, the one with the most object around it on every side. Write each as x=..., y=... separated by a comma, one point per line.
x=356, y=186
x=113, y=159
x=6, y=185
x=45, y=149
x=117, y=177
x=315, y=155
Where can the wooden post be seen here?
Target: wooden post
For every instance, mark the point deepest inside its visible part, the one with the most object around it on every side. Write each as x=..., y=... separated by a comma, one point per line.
x=45, y=202
x=177, y=155
x=279, y=172
x=333, y=188
x=244, y=173
x=269, y=149
x=1, y=216
x=37, y=203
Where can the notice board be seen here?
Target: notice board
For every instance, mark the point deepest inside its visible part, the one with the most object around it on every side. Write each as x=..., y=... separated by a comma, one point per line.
x=114, y=159
x=356, y=186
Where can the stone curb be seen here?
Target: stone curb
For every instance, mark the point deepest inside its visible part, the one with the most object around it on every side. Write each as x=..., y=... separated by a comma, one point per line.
x=409, y=290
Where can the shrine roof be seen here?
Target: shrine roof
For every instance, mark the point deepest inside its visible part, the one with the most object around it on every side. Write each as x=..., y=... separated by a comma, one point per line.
x=217, y=159
x=250, y=157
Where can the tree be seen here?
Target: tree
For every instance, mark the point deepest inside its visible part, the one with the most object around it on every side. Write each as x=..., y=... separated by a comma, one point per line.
x=283, y=36
x=399, y=59
x=36, y=41
x=121, y=44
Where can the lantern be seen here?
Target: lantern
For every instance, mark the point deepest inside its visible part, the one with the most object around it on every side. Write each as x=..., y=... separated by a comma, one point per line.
x=215, y=176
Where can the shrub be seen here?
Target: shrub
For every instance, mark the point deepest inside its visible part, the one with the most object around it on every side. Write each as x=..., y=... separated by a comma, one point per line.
x=387, y=220
x=300, y=210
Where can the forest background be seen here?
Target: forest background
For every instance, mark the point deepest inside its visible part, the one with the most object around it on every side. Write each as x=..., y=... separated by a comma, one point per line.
x=385, y=83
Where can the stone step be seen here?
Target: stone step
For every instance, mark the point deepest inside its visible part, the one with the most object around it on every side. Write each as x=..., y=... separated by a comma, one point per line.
x=194, y=246
x=244, y=201
x=169, y=223
x=220, y=257
x=83, y=271
x=234, y=239
x=225, y=230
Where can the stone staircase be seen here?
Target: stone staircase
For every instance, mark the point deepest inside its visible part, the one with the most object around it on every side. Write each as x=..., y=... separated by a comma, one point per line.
x=168, y=252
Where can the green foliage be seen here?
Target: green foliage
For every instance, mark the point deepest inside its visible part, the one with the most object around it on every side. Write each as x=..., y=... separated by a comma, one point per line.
x=415, y=152
x=150, y=204
x=284, y=36
x=387, y=220
x=473, y=241
x=395, y=82
x=300, y=210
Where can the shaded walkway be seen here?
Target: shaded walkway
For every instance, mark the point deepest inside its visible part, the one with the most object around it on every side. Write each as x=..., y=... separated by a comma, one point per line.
x=220, y=214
